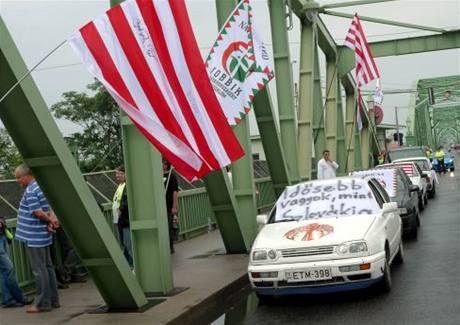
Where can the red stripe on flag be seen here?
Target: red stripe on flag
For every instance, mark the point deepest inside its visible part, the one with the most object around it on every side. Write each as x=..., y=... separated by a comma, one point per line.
x=143, y=73
x=201, y=80
x=156, y=32
x=102, y=56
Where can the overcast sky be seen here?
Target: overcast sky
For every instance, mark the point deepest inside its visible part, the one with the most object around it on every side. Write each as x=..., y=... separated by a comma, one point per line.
x=38, y=26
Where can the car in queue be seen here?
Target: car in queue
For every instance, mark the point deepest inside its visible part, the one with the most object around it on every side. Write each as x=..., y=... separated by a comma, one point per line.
x=405, y=152
x=416, y=175
x=400, y=189
x=327, y=236
x=427, y=168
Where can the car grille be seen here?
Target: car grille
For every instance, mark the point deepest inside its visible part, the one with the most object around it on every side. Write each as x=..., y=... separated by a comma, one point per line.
x=307, y=251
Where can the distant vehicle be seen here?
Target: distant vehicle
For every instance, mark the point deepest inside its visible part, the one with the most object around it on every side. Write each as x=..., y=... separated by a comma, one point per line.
x=417, y=177
x=405, y=152
x=327, y=236
x=400, y=190
x=449, y=163
x=427, y=169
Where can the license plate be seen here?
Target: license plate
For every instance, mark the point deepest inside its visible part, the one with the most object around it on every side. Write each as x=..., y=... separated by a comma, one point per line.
x=308, y=275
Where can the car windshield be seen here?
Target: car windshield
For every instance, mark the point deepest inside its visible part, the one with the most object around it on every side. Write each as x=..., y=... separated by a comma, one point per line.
x=325, y=199
x=406, y=153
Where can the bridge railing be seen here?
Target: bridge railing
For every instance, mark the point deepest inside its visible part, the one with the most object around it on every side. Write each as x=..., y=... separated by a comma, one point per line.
x=195, y=217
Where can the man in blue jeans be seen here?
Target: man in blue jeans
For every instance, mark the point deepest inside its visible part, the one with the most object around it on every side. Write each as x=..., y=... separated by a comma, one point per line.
x=12, y=295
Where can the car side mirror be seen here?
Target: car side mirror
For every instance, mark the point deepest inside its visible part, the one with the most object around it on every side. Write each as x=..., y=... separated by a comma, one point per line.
x=262, y=219
x=414, y=188
x=390, y=207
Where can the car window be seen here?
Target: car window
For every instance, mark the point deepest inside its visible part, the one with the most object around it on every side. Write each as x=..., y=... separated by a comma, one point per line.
x=377, y=195
x=419, y=170
x=401, y=188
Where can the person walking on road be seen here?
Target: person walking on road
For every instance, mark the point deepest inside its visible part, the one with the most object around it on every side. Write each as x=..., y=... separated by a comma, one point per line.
x=172, y=195
x=121, y=199
x=440, y=155
x=12, y=295
x=326, y=166
x=36, y=222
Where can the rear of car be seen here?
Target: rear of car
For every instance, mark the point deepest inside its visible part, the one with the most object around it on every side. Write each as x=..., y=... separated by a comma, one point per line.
x=400, y=190
x=405, y=152
x=427, y=169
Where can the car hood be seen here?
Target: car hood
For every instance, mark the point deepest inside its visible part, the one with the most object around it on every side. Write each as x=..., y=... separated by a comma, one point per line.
x=326, y=231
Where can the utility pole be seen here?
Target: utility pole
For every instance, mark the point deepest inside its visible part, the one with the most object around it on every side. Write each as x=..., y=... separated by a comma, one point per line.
x=397, y=125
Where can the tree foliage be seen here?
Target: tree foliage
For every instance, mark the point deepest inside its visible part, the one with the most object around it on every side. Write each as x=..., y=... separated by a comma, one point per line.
x=99, y=143
x=9, y=155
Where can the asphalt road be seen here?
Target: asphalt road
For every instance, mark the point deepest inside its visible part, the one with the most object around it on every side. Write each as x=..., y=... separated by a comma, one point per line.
x=426, y=288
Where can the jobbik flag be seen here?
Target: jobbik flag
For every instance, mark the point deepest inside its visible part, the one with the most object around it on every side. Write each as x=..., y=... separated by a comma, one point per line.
x=239, y=65
x=145, y=54
x=366, y=69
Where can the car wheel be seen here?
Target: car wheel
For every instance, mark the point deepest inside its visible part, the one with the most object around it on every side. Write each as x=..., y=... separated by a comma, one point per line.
x=399, y=258
x=385, y=284
x=432, y=192
x=413, y=231
x=421, y=205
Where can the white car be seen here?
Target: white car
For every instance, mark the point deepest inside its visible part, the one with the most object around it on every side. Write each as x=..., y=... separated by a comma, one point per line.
x=427, y=168
x=327, y=236
x=417, y=177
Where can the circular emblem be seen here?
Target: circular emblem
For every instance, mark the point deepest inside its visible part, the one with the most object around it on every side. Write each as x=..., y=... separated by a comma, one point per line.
x=309, y=232
x=236, y=62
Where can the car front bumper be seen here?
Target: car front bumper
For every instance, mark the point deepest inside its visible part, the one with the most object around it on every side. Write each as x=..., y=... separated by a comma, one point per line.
x=340, y=281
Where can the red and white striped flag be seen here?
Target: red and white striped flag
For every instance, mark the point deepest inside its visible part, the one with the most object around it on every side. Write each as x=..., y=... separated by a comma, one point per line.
x=366, y=69
x=146, y=55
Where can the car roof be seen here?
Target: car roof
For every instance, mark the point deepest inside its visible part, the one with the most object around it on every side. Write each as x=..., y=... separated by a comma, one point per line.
x=410, y=159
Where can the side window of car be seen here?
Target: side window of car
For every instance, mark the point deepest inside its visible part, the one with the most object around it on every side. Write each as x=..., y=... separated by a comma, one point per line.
x=376, y=193
x=401, y=187
x=382, y=192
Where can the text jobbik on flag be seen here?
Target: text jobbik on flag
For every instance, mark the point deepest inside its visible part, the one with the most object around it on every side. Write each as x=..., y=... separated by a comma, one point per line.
x=238, y=64
x=145, y=54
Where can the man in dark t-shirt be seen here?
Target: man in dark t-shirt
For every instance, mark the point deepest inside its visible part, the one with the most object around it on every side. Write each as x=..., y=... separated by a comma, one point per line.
x=172, y=192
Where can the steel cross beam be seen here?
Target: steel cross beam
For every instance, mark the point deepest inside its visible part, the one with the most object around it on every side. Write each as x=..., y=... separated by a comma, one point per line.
x=37, y=137
x=445, y=41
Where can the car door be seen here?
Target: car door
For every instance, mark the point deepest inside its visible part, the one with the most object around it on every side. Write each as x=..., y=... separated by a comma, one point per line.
x=392, y=219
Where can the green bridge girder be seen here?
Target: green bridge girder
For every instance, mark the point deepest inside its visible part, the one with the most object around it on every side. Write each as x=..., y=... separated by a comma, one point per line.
x=37, y=137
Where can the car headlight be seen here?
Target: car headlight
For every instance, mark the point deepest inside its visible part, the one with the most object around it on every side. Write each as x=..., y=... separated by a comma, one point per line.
x=259, y=255
x=264, y=254
x=352, y=248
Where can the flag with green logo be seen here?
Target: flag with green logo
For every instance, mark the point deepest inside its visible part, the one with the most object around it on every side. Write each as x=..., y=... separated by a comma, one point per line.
x=238, y=64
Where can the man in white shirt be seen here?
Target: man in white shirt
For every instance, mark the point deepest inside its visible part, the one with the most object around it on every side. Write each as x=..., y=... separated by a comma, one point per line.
x=326, y=166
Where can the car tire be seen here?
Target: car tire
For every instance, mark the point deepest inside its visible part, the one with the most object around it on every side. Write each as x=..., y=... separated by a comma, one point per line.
x=384, y=285
x=421, y=205
x=432, y=192
x=413, y=232
x=399, y=258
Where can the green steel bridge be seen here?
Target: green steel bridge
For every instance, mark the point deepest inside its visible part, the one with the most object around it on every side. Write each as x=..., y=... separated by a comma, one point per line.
x=291, y=142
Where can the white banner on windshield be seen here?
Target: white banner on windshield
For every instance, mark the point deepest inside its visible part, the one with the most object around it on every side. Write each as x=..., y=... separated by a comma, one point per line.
x=326, y=199
x=386, y=178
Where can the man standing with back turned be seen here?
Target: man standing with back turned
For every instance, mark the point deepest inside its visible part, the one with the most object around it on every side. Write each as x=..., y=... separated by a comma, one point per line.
x=35, y=221
x=326, y=166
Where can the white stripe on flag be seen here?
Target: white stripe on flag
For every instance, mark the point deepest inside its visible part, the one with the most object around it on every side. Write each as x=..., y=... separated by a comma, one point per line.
x=178, y=58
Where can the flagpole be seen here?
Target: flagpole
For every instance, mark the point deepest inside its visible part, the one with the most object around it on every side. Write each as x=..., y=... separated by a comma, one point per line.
x=30, y=71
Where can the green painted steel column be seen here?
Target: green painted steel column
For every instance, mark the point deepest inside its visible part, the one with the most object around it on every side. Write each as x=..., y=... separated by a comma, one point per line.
x=319, y=134
x=242, y=169
x=365, y=147
x=331, y=108
x=341, y=145
x=37, y=137
x=271, y=141
x=350, y=131
x=307, y=94
x=147, y=209
x=284, y=87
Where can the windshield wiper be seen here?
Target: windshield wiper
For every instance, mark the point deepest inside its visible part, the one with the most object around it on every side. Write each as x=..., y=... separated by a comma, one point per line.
x=286, y=220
